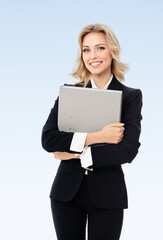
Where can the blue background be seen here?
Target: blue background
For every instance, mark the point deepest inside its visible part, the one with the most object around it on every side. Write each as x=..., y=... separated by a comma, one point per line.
x=38, y=48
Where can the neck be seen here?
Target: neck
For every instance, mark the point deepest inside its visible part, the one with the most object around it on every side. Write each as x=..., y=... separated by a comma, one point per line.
x=102, y=79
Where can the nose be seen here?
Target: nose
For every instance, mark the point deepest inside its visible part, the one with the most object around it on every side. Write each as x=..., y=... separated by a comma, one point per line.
x=93, y=54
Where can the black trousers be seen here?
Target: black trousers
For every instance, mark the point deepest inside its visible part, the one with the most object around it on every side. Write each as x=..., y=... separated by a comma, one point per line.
x=70, y=218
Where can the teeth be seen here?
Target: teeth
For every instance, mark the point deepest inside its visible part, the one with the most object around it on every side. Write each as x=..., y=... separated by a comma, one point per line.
x=95, y=63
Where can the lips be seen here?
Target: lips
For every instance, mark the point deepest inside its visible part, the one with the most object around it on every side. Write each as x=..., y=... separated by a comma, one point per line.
x=95, y=63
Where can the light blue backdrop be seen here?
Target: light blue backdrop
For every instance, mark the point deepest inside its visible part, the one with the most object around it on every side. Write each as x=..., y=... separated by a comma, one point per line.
x=38, y=46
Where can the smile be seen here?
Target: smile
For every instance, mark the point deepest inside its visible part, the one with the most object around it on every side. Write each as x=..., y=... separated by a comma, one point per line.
x=95, y=64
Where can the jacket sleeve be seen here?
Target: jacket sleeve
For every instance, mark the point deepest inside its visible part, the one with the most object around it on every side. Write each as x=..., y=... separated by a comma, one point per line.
x=52, y=139
x=126, y=150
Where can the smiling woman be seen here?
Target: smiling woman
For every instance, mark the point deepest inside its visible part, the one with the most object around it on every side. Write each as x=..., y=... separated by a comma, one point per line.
x=97, y=59
x=90, y=184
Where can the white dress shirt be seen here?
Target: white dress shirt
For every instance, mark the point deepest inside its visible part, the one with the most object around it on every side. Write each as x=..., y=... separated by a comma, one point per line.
x=78, y=141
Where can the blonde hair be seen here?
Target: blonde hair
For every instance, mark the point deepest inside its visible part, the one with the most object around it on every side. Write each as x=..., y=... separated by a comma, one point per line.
x=117, y=67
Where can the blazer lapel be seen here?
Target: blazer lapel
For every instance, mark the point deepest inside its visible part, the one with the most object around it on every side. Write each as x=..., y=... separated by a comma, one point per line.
x=89, y=85
x=115, y=84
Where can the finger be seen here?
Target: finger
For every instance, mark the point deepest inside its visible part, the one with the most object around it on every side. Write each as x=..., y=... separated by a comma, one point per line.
x=55, y=152
x=121, y=135
x=122, y=129
x=55, y=155
x=117, y=124
x=121, y=138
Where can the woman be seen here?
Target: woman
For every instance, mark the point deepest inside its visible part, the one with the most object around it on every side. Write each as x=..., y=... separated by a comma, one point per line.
x=90, y=184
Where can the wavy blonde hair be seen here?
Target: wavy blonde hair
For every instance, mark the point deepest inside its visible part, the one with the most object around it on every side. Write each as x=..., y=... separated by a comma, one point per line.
x=117, y=67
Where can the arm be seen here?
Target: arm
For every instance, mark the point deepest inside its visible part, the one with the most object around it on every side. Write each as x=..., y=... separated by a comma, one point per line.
x=52, y=139
x=93, y=138
x=126, y=150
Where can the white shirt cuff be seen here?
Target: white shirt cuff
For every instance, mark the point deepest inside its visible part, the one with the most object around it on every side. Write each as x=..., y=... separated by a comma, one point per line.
x=78, y=141
x=86, y=158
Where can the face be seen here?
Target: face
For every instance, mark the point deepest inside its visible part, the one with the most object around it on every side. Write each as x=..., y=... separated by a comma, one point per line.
x=96, y=54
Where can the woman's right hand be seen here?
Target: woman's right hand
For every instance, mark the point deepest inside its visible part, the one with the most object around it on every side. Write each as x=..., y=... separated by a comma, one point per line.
x=112, y=133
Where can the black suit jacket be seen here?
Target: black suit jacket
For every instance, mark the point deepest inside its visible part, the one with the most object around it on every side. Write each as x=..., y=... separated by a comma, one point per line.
x=106, y=183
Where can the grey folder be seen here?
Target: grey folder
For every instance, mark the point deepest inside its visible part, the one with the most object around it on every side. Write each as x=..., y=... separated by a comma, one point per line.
x=87, y=109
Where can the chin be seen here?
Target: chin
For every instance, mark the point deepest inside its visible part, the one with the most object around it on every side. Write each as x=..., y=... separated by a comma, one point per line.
x=97, y=72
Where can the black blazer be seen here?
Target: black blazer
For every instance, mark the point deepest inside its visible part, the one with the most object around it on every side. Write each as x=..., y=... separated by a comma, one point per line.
x=106, y=183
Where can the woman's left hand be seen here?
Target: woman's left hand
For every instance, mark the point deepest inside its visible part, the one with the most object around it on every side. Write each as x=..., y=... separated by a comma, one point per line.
x=64, y=155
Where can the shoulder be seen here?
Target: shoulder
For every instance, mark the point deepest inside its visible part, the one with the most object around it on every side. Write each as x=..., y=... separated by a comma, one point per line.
x=130, y=92
x=131, y=96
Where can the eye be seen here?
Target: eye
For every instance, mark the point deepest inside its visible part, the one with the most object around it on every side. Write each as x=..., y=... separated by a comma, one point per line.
x=102, y=48
x=84, y=50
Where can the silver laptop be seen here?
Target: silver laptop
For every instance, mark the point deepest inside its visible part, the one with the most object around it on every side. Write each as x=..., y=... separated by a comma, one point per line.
x=87, y=109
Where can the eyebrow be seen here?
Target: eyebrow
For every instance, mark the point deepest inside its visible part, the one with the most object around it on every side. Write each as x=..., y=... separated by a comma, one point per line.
x=95, y=45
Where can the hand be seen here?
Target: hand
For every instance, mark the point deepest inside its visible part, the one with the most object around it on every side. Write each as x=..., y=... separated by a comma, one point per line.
x=64, y=155
x=112, y=133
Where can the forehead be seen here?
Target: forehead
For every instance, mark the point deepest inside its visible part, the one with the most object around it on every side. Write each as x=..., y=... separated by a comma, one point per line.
x=92, y=39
